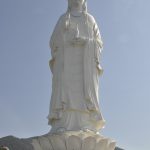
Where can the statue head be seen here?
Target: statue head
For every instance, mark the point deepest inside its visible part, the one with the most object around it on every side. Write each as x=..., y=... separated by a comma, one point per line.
x=77, y=3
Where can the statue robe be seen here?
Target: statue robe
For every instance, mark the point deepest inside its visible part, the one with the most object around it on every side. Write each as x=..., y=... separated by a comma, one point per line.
x=76, y=68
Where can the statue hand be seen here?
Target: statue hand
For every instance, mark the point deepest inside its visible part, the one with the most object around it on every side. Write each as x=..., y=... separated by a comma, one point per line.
x=79, y=41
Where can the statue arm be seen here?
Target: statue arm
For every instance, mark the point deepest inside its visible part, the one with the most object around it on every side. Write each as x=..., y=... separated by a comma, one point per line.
x=55, y=42
x=98, y=44
x=97, y=36
x=96, y=31
x=54, y=48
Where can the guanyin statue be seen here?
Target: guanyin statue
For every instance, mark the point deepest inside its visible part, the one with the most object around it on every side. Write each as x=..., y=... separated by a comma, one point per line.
x=75, y=48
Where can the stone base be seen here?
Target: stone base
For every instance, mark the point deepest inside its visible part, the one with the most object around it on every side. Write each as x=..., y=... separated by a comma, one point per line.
x=70, y=140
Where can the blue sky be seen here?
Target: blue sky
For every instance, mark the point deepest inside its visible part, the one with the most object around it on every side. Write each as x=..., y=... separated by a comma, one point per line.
x=25, y=78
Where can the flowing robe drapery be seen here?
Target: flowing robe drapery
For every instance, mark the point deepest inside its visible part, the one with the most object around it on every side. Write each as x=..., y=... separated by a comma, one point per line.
x=90, y=69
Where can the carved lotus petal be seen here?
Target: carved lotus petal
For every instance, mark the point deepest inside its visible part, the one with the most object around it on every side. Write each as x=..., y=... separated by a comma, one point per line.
x=58, y=143
x=73, y=143
x=89, y=143
x=36, y=144
x=45, y=143
x=112, y=145
x=102, y=144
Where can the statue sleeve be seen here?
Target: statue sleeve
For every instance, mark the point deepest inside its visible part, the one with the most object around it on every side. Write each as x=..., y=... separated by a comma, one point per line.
x=98, y=46
x=55, y=42
x=96, y=31
x=54, y=39
x=97, y=36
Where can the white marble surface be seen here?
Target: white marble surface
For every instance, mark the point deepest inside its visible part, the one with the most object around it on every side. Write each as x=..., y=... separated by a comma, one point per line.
x=76, y=48
x=73, y=141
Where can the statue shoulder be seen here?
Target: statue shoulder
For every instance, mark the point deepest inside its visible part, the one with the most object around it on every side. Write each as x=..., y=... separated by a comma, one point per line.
x=91, y=19
x=60, y=22
x=62, y=18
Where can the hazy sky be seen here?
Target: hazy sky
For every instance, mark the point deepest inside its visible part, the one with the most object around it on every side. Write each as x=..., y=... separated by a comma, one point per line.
x=25, y=78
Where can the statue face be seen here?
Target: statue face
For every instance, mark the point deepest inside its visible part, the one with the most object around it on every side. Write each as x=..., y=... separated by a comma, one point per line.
x=76, y=3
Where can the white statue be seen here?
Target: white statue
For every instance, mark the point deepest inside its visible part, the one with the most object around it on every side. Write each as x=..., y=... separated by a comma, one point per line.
x=75, y=47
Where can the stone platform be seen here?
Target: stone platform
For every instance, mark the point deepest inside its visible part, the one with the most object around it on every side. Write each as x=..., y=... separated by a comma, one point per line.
x=48, y=142
x=73, y=141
